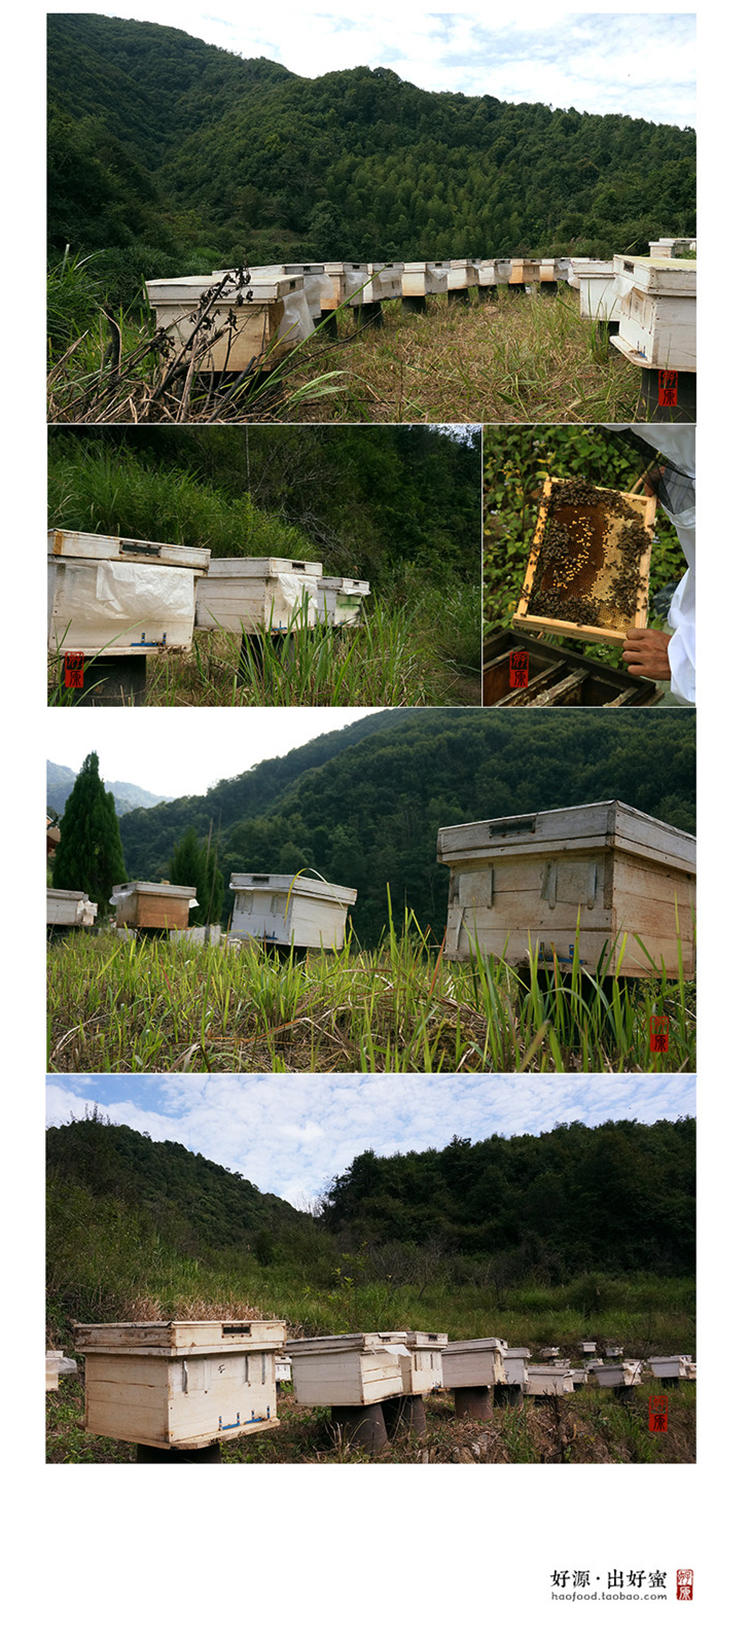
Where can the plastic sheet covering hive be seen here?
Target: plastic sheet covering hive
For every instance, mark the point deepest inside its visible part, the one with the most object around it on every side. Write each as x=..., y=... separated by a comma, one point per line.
x=296, y=321
x=116, y=606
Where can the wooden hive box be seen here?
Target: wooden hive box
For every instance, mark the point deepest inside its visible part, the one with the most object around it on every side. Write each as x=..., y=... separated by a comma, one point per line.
x=657, y=311
x=282, y=909
x=247, y=593
x=424, y=277
x=369, y=281
x=618, y=1374
x=599, y=300
x=340, y=600
x=70, y=907
x=334, y=291
x=523, y=271
x=548, y=1380
x=462, y=274
x=515, y=1366
x=266, y=311
x=143, y=905
x=588, y=568
x=587, y=1346
x=120, y=596
x=558, y=677
x=52, y=1360
x=614, y=872
x=180, y=1383
x=470, y=1363
x=344, y=1369
x=487, y=274
x=420, y=1358
x=669, y=1366
x=548, y=270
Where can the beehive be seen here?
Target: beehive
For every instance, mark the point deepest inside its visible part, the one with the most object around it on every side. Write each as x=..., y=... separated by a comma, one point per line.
x=120, y=597
x=595, y=281
x=282, y=909
x=143, y=905
x=515, y=1365
x=371, y=281
x=523, y=271
x=588, y=569
x=180, y=1383
x=558, y=677
x=462, y=274
x=334, y=291
x=340, y=600
x=424, y=277
x=243, y=594
x=670, y=1366
x=487, y=274
x=470, y=1363
x=548, y=270
x=605, y=870
x=548, y=1380
x=618, y=1374
x=344, y=1369
x=657, y=311
x=265, y=311
x=70, y=907
x=420, y=1359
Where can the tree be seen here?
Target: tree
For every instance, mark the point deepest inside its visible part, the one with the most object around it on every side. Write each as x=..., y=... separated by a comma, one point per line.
x=188, y=867
x=89, y=856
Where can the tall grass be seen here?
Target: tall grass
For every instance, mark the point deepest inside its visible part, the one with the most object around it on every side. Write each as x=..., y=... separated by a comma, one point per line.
x=152, y=1005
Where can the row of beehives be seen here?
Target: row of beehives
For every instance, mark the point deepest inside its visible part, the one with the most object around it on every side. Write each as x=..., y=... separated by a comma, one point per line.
x=192, y=1383
x=652, y=298
x=132, y=596
x=585, y=877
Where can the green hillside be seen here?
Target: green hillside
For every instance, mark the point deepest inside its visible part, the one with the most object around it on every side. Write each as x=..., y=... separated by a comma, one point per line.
x=175, y=156
x=364, y=807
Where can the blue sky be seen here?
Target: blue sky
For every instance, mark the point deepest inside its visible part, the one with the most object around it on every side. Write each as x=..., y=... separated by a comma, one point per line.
x=293, y=1134
x=639, y=62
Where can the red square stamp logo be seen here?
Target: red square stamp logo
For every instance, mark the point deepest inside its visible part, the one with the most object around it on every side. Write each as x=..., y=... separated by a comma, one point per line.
x=73, y=670
x=684, y=1584
x=657, y=1414
x=667, y=388
x=658, y=1034
x=518, y=672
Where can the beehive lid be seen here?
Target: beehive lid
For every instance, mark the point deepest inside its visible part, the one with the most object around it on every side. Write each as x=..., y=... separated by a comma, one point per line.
x=66, y=895
x=296, y=886
x=458, y=1345
x=346, y=586
x=178, y=1337
x=658, y=275
x=335, y=1343
x=147, y=887
x=517, y=1354
x=416, y=1340
x=260, y=567
x=69, y=545
x=608, y=824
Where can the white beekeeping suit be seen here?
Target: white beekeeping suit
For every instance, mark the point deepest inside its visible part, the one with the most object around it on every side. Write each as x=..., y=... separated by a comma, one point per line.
x=677, y=444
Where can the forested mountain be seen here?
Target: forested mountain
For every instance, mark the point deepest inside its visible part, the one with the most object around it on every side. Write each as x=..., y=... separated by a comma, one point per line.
x=614, y=1198
x=363, y=806
x=176, y=156
x=620, y=1196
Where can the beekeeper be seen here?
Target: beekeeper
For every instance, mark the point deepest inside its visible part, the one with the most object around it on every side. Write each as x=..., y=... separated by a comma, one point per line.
x=660, y=654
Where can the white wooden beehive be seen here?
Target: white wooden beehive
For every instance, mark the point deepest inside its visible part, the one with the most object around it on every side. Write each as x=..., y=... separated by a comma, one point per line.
x=70, y=907
x=515, y=1365
x=424, y=277
x=340, y=600
x=344, y=1369
x=603, y=872
x=462, y=274
x=548, y=1380
x=487, y=277
x=669, y=1366
x=119, y=596
x=469, y=1363
x=268, y=311
x=144, y=905
x=548, y=270
x=618, y=1374
x=587, y=1346
x=247, y=593
x=523, y=271
x=180, y=1383
x=657, y=311
x=595, y=281
x=282, y=909
x=420, y=1359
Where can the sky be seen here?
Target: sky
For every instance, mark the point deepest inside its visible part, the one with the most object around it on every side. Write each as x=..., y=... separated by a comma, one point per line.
x=293, y=1134
x=183, y=751
x=636, y=61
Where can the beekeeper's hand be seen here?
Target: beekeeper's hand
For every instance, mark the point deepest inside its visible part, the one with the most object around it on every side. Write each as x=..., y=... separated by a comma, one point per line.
x=646, y=653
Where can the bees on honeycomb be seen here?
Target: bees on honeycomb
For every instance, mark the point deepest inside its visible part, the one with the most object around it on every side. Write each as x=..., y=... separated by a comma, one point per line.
x=566, y=551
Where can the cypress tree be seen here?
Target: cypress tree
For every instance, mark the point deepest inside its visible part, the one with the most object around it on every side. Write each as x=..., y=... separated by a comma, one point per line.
x=89, y=856
x=188, y=867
